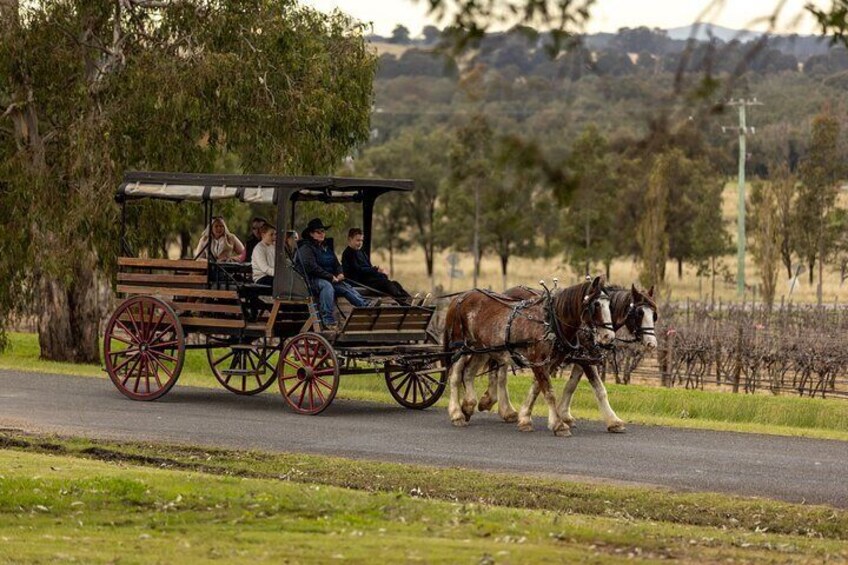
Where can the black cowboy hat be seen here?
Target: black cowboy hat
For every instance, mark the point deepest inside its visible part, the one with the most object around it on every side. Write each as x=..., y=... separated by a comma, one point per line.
x=315, y=224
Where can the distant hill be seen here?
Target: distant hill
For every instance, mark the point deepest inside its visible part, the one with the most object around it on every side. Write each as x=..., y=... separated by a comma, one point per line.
x=703, y=32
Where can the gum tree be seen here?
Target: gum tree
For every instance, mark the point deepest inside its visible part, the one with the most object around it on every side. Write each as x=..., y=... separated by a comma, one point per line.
x=91, y=88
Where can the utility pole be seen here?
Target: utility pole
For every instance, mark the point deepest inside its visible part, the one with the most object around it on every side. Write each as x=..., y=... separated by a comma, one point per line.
x=476, y=242
x=742, y=104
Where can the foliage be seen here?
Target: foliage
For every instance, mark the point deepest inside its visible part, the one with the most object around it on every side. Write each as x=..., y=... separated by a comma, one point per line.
x=652, y=231
x=95, y=88
x=766, y=245
x=820, y=172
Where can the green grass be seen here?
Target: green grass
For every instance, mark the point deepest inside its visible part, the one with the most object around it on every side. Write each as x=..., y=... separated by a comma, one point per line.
x=74, y=499
x=783, y=415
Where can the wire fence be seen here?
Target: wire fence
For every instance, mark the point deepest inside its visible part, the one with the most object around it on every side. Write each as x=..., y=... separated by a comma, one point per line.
x=743, y=348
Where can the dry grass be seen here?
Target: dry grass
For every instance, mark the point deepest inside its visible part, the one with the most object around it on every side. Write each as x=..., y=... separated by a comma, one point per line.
x=410, y=269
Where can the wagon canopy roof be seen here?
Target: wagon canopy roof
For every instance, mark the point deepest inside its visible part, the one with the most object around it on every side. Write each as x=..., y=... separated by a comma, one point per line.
x=252, y=188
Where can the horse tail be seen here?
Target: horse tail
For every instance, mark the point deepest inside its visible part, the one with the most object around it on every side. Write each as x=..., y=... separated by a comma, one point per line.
x=453, y=333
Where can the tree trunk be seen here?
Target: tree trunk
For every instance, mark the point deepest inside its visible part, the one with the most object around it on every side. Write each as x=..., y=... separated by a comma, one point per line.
x=185, y=245
x=812, y=267
x=504, y=262
x=607, y=266
x=391, y=259
x=69, y=323
x=680, y=269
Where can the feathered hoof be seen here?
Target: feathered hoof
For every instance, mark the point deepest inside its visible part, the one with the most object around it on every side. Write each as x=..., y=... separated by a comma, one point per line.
x=562, y=432
x=468, y=410
x=570, y=422
x=485, y=404
x=511, y=418
x=460, y=422
x=525, y=427
x=617, y=428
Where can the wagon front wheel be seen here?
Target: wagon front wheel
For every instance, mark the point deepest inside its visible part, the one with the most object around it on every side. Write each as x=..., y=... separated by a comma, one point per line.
x=144, y=348
x=244, y=366
x=308, y=373
x=415, y=386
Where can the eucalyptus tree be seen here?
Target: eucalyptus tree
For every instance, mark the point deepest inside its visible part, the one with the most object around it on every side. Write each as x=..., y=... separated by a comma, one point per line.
x=90, y=88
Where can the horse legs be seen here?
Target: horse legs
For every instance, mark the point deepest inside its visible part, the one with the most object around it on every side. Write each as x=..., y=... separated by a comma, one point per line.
x=555, y=422
x=490, y=397
x=469, y=403
x=525, y=413
x=505, y=408
x=614, y=423
x=454, y=411
x=564, y=407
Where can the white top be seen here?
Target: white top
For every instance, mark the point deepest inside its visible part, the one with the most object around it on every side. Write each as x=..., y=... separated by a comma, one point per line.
x=263, y=260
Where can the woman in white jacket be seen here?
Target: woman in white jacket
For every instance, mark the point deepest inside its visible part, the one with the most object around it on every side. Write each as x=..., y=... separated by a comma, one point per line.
x=224, y=246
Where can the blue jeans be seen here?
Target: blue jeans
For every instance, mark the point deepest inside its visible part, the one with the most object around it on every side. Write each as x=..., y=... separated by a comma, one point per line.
x=327, y=292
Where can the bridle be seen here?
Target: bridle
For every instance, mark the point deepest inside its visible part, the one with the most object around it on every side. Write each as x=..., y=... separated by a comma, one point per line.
x=633, y=323
x=591, y=307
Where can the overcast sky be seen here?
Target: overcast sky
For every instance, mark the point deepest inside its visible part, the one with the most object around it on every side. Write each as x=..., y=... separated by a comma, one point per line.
x=607, y=15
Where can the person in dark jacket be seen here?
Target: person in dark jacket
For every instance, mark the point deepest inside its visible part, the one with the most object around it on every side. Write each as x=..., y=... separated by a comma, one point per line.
x=317, y=260
x=255, y=235
x=357, y=267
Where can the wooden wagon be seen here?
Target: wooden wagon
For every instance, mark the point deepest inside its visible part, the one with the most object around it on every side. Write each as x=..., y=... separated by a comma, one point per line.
x=255, y=335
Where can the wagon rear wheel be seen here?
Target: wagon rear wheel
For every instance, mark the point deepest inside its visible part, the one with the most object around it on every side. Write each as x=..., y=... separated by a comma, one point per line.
x=308, y=371
x=247, y=366
x=144, y=348
x=416, y=386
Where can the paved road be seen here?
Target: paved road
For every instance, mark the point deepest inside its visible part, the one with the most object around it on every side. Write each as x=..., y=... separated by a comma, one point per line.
x=792, y=469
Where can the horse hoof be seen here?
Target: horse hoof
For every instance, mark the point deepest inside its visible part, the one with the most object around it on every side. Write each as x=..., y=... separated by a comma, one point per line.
x=525, y=426
x=460, y=422
x=468, y=409
x=570, y=422
x=485, y=404
x=511, y=418
x=562, y=432
x=617, y=428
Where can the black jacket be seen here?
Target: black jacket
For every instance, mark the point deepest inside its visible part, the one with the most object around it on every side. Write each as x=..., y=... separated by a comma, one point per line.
x=308, y=251
x=358, y=267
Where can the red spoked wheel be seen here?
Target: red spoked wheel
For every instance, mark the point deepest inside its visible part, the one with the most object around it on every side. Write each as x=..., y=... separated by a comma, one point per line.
x=144, y=348
x=308, y=372
x=417, y=385
x=246, y=367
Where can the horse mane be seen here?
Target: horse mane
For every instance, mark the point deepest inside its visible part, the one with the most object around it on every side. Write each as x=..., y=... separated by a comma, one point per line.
x=568, y=304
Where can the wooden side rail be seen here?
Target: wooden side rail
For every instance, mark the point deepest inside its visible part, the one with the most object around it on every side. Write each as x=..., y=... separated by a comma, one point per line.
x=169, y=264
x=388, y=319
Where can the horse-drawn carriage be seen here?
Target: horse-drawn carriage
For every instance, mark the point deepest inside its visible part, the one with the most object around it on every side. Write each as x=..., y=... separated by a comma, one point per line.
x=255, y=335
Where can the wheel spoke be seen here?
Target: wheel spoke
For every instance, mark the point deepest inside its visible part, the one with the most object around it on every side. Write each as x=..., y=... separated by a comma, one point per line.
x=138, y=332
x=113, y=335
x=323, y=372
x=130, y=371
x=400, y=386
x=323, y=382
x=399, y=375
x=224, y=358
x=320, y=394
x=133, y=335
x=311, y=396
x=164, y=368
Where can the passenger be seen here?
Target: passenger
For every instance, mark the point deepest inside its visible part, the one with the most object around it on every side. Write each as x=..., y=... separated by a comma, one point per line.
x=255, y=224
x=291, y=243
x=263, y=257
x=319, y=263
x=224, y=246
x=357, y=267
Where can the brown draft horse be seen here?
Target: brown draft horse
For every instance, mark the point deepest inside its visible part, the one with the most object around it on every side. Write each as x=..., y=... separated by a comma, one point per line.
x=634, y=314
x=542, y=333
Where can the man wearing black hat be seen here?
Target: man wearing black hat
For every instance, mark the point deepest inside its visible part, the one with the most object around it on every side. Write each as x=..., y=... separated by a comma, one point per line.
x=318, y=261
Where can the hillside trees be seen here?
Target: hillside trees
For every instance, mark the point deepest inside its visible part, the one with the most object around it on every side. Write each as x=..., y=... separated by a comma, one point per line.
x=766, y=240
x=592, y=229
x=417, y=155
x=820, y=172
x=90, y=89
